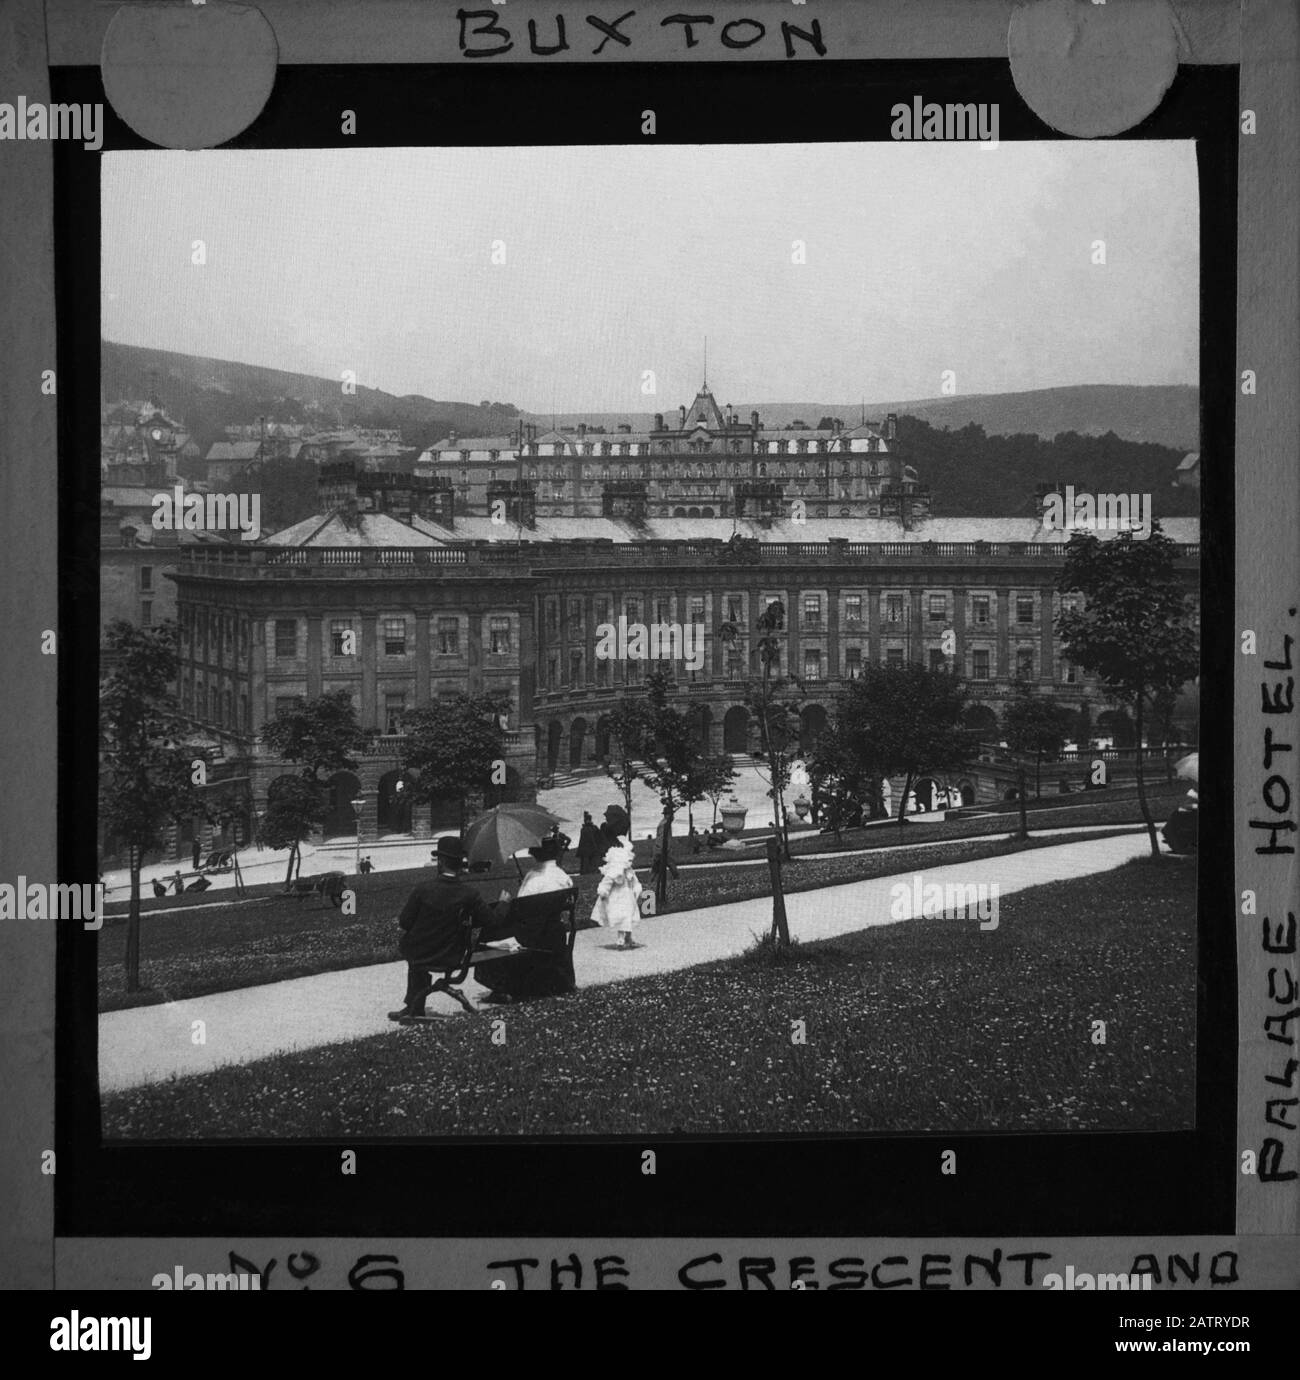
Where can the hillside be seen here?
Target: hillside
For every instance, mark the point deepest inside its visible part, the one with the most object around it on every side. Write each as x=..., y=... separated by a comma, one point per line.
x=1165, y=415
x=981, y=456
x=209, y=394
x=972, y=474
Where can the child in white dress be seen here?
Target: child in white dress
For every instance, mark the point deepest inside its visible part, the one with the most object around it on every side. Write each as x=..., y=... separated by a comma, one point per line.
x=618, y=893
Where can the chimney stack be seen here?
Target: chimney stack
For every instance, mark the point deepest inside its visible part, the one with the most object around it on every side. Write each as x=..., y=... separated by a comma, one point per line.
x=891, y=426
x=582, y=428
x=681, y=418
x=753, y=420
x=659, y=421
x=451, y=437
x=435, y=500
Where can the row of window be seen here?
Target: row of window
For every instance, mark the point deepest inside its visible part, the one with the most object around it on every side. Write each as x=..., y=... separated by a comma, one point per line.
x=737, y=447
x=394, y=637
x=215, y=707
x=811, y=610
x=666, y=472
x=218, y=708
x=393, y=711
x=814, y=663
x=395, y=632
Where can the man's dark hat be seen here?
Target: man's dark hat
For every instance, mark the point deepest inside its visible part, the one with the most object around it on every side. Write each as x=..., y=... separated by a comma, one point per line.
x=546, y=851
x=451, y=851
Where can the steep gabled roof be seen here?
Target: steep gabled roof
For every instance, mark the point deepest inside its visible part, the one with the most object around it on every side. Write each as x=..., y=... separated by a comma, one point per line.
x=704, y=411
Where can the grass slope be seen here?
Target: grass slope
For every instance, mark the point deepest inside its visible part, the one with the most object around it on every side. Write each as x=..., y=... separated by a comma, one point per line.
x=927, y=1025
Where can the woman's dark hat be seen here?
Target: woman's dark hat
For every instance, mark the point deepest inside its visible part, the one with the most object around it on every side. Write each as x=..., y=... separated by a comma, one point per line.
x=548, y=850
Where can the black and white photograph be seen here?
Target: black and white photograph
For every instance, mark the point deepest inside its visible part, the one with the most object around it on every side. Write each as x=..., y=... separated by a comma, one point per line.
x=614, y=620
x=695, y=639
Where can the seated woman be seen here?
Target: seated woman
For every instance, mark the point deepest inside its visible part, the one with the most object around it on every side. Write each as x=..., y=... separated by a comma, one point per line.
x=542, y=966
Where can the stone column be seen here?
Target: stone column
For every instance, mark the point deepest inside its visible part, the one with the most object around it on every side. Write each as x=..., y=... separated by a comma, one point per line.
x=474, y=647
x=1002, y=670
x=875, y=616
x=258, y=708
x=423, y=655
x=959, y=628
x=834, y=671
x=718, y=597
x=315, y=655
x=1046, y=645
x=370, y=632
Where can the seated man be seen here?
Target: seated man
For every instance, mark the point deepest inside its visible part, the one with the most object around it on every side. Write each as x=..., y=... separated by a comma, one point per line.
x=542, y=966
x=432, y=923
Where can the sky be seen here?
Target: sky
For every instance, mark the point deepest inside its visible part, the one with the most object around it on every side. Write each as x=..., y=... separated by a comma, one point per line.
x=919, y=258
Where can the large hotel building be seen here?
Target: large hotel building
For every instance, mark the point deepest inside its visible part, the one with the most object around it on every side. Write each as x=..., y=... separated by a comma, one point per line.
x=489, y=569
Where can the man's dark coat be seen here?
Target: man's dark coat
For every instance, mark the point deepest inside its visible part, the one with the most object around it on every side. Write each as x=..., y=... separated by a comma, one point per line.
x=432, y=919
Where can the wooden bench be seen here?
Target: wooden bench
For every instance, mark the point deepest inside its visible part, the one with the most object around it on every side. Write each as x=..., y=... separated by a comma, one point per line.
x=526, y=917
x=328, y=884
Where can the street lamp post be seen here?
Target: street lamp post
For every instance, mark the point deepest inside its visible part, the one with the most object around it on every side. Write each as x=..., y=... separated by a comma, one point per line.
x=356, y=805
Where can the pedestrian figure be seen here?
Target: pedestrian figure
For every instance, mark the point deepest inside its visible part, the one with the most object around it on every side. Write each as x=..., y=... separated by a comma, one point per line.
x=432, y=934
x=662, y=867
x=541, y=965
x=590, y=847
x=196, y=853
x=616, y=826
x=159, y=888
x=178, y=884
x=617, y=895
x=561, y=841
x=366, y=867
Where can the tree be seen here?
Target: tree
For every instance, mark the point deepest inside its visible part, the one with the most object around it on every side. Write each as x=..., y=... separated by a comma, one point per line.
x=1036, y=726
x=714, y=778
x=904, y=720
x=295, y=809
x=671, y=764
x=840, y=779
x=452, y=745
x=1135, y=631
x=628, y=726
x=148, y=770
x=321, y=734
x=776, y=701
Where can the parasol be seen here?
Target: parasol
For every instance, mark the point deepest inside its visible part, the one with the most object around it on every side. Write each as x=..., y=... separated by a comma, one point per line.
x=502, y=832
x=1189, y=767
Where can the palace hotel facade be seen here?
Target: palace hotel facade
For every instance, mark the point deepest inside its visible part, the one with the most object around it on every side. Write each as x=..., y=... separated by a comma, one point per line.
x=499, y=586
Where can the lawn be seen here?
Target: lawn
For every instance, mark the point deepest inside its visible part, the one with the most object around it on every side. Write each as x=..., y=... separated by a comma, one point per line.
x=270, y=938
x=924, y=1025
